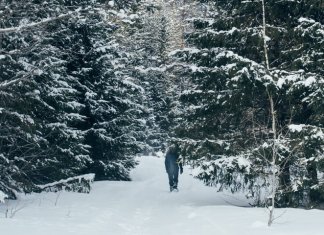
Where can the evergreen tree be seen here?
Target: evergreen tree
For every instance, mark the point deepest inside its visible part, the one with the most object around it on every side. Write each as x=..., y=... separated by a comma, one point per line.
x=69, y=104
x=112, y=98
x=227, y=130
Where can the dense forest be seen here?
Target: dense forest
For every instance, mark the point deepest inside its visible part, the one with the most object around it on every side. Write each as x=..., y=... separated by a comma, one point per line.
x=87, y=85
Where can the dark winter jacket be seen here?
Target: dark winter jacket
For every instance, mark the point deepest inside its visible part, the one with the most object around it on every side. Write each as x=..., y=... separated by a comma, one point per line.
x=171, y=163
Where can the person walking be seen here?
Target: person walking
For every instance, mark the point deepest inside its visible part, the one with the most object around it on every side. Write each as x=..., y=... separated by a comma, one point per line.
x=173, y=164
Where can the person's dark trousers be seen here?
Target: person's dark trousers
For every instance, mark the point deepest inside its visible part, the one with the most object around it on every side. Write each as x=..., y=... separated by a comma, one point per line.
x=172, y=168
x=173, y=177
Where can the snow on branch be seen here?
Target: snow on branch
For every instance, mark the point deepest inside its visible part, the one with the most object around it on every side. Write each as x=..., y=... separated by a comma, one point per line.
x=251, y=1
x=5, y=84
x=79, y=184
x=14, y=81
x=35, y=24
x=3, y=196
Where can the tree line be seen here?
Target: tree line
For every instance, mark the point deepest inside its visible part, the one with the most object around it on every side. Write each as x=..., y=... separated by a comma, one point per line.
x=238, y=85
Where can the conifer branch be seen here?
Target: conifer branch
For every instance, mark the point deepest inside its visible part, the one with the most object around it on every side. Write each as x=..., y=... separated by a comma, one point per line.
x=35, y=24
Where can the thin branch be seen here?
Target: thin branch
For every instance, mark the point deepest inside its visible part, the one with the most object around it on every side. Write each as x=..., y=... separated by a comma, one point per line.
x=265, y=36
x=35, y=24
x=14, y=81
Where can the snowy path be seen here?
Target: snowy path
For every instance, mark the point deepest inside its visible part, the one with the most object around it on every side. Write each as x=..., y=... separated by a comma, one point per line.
x=144, y=206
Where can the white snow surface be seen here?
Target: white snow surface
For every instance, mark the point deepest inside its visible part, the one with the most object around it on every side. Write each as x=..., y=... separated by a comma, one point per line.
x=2, y=197
x=296, y=127
x=145, y=206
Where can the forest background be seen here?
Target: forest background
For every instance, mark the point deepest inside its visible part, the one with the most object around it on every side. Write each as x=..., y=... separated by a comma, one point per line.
x=87, y=85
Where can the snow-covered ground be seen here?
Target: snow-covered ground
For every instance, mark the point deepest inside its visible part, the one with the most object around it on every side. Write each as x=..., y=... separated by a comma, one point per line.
x=145, y=206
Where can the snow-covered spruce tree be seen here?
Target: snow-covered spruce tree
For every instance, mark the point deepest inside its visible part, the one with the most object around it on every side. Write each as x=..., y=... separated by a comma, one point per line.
x=295, y=49
x=45, y=135
x=107, y=97
x=227, y=124
x=217, y=118
x=39, y=105
x=110, y=92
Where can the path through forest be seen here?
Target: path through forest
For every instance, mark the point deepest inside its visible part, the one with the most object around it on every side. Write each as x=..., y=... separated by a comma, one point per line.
x=145, y=206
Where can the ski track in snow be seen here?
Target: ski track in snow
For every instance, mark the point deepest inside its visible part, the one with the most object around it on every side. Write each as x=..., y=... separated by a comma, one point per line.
x=145, y=206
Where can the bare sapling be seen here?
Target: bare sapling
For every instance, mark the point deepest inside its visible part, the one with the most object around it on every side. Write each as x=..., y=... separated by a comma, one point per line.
x=274, y=168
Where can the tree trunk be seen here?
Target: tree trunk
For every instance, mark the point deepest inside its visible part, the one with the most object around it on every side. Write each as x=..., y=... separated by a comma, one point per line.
x=273, y=166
